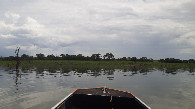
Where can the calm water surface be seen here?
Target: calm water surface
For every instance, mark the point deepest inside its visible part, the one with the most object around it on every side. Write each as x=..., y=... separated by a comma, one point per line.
x=34, y=89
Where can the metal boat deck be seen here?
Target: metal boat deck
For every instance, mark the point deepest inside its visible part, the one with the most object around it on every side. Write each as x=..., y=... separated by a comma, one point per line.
x=100, y=98
x=100, y=91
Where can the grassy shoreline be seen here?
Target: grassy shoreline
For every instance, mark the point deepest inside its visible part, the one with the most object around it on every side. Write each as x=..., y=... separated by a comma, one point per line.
x=72, y=64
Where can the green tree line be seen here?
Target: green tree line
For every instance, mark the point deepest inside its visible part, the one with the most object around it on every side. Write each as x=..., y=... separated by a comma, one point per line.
x=93, y=57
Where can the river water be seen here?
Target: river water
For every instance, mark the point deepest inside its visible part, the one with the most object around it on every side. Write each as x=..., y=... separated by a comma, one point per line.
x=34, y=89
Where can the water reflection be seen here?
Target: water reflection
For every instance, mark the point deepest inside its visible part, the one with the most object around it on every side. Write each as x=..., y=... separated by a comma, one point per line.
x=158, y=87
x=96, y=72
x=41, y=72
x=17, y=78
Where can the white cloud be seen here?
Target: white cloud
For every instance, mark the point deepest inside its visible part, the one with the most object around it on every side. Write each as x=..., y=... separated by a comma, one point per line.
x=7, y=36
x=152, y=28
x=187, y=51
x=187, y=39
x=13, y=17
x=34, y=27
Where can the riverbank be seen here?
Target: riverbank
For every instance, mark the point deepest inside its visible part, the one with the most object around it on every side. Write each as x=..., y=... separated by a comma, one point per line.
x=98, y=65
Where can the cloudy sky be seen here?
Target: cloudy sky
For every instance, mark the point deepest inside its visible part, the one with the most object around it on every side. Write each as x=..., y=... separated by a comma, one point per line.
x=151, y=28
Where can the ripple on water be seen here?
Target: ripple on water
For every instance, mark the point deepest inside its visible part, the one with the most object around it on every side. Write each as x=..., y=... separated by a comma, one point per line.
x=38, y=88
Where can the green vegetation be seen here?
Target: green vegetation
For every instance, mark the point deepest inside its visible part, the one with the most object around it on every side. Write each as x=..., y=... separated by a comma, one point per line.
x=97, y=66
x=95, y=63
x=93, y=57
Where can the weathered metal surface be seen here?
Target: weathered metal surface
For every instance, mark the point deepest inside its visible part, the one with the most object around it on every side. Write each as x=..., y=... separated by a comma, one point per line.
x=101, y=98
x=99, y=91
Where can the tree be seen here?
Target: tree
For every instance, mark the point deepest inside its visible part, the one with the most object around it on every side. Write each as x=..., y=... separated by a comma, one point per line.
x=40, y=56
x=80, y=57
x=95, y=57
x=161, y=60
x=143, y=59
x=17, y=58
x=191, y=60
x=128, y=58
x=25, y=57
x=172, y=60
x=134, y=59
x=124, y=58
x=108, y=56
x=51, y=57
x=62, y=55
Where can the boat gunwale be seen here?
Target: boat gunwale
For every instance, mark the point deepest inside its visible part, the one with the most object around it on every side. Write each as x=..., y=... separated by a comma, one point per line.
x=64, y=99
x=144, y=104
x=57, y=106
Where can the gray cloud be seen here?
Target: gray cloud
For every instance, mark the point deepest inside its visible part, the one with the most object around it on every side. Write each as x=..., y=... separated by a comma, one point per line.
x=151, y=28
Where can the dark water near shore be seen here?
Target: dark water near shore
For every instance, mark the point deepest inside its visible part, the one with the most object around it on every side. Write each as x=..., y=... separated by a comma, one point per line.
x=34, y=89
